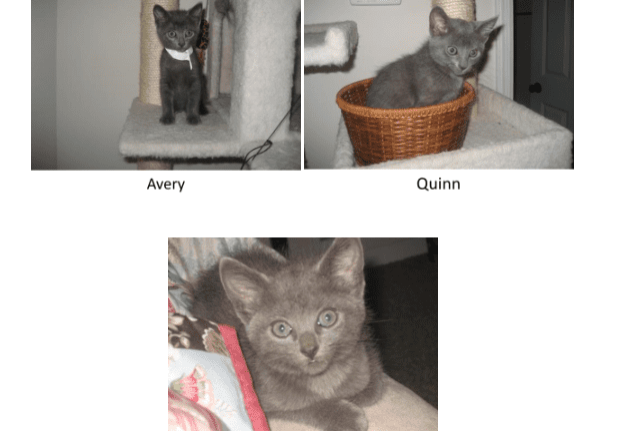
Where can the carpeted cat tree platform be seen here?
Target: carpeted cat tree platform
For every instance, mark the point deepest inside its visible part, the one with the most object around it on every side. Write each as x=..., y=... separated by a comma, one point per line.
x=252, y=54
x=329, y=44
x=503, y=135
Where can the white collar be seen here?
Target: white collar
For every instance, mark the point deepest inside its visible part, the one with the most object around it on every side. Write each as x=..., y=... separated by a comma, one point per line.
x=179, y=55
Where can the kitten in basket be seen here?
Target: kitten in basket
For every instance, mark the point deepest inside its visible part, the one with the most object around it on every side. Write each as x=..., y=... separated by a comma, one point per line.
x=301, y=323
x=436, y=72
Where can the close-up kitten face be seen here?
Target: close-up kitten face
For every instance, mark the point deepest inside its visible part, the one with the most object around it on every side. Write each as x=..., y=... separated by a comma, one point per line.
x=304, y=343
x=306, y=338
x=302, y=320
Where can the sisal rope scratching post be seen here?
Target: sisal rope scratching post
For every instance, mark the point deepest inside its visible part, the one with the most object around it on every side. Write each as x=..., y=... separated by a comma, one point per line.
x=461, y=9
x=150, y=52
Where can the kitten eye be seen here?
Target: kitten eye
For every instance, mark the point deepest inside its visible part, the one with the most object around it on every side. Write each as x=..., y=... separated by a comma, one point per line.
x=451, y=50
x=188, y=33
x=327, y=318
x=473, y=53
x=171, y=34
x=281, y=329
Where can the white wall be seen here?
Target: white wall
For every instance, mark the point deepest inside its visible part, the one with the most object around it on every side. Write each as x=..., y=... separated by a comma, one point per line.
x=97, y=79
x=385, y=34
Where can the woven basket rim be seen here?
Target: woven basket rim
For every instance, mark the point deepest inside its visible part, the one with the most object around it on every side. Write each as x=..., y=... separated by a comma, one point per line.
x=465, y=99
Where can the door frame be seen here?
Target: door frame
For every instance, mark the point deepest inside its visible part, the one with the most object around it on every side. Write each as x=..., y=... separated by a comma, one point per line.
x=504, y=76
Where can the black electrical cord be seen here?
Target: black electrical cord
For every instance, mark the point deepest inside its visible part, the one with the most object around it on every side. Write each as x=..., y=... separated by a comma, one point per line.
x=268, y=143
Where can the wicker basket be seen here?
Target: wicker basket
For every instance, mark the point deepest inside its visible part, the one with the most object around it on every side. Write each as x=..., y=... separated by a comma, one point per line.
x=378, y=135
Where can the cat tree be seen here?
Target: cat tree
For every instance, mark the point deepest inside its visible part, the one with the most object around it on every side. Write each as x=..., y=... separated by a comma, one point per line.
x=329, y=44
x=262, y=47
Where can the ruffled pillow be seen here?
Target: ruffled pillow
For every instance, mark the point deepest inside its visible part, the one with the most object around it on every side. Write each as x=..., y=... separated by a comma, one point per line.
x=209, y=385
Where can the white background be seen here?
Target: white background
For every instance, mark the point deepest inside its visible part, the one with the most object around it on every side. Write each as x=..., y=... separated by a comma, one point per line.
x=526, y=279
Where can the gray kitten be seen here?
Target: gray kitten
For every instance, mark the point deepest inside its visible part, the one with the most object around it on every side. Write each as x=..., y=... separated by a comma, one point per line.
x=182, y=82
x=435, y=73
x=301, y=325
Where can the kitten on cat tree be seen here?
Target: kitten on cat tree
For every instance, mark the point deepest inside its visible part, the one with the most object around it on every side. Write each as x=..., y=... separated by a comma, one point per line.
x=182, y=82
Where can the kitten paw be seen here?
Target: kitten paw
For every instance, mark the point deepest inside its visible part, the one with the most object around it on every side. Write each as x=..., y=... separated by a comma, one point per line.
x=167, y=119
x=349, y=417
x=193, y=119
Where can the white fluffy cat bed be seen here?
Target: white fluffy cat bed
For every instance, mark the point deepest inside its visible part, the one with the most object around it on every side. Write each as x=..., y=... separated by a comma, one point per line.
x=261, y=63
x=503, y=135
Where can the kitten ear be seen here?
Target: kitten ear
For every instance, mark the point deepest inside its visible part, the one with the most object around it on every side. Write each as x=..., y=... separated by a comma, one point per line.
x=195, y=11
x=486, y=27
x=344, y=262
x=243, y=286
x=160, y=14
x=439, y=22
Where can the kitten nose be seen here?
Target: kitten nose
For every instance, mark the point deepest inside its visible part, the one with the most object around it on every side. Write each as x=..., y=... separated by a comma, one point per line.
x=308, y=345
x=463, y=65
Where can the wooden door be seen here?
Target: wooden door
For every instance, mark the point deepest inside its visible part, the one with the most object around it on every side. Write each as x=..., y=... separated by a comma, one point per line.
x=552, y=61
